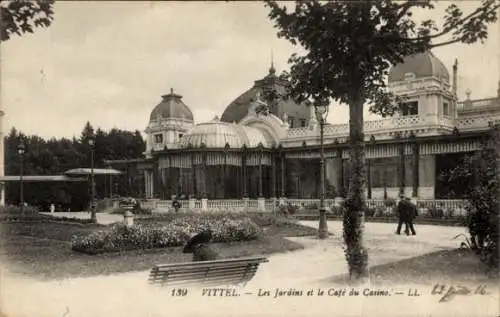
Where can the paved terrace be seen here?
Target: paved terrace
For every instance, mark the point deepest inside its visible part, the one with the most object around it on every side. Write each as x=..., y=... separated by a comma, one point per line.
x=129, y=294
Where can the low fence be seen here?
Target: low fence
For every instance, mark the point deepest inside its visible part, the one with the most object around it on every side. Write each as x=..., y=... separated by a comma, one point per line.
x=435, y=208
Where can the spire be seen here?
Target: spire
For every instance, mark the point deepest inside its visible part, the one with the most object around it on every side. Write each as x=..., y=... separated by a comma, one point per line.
x=272, y=70
x=171, y=95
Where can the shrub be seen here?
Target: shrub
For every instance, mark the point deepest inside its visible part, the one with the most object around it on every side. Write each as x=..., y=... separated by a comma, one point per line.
x=337, y=210
x=176, y=233
x=292, y=209
x=135, y=211
x=379, y=212
x=390, y=202
x=104, y=204
x=267, y=220
x=435, y=212
x=369, y=212
x=40, y=218
x=286, y=210
x=11, y=209
x=480, y=173
x=312, y=206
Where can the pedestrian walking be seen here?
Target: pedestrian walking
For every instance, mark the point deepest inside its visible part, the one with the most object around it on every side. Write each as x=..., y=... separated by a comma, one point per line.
x=407, y=212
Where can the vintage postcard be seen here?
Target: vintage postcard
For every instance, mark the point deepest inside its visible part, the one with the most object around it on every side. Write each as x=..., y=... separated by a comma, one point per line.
x=249, y=158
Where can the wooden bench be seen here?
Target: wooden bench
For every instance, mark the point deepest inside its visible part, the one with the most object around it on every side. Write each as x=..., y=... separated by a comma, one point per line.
x=238, y=271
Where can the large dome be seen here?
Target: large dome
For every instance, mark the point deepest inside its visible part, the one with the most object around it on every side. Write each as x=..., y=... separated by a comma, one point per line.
x=171, y=107
x=423, y=65
x=216, y=134
x=238, y=109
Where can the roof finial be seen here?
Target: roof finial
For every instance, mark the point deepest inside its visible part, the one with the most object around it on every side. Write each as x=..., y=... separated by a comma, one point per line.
x=171, y=91
x=272, y=70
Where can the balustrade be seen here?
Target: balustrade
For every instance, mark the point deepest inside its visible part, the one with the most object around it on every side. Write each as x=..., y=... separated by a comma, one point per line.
x=476, y=122
x=440, y=208
x=371, y=127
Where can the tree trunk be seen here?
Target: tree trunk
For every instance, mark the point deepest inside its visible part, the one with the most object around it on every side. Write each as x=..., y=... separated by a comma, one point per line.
x=355, y=203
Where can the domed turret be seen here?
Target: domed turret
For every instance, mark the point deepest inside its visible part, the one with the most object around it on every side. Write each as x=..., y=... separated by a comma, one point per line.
x=169, y=121
x=428, y=97
x=171, y=107
x=421, y=65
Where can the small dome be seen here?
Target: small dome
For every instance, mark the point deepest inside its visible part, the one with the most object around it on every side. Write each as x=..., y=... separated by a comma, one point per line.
x=171, y=107
x=423, y=65
x=213, y=134
x=216, y=134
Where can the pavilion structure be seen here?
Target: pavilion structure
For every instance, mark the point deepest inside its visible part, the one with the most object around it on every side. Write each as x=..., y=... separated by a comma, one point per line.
x=259, y=149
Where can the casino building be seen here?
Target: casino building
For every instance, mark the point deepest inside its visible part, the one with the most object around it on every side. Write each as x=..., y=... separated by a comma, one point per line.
x=267, y=149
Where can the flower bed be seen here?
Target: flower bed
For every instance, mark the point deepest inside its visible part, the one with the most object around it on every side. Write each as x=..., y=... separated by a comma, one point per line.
x=119, y=237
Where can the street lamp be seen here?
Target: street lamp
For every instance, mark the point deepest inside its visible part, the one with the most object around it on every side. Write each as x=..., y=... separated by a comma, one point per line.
x=321, y=114
x=91, y=141
x=21, y=150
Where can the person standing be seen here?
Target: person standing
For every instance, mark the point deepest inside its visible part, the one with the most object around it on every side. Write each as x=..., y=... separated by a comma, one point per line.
x=402, y=212
x=407, y=211
x=411, y=215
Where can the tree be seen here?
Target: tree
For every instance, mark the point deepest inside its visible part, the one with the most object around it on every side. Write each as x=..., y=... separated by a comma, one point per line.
x=480, y=172
x=350, y=46
x=55, y=156
x=20, y=16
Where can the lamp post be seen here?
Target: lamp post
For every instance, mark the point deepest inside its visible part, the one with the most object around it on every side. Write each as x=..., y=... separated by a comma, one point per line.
x=93, y=215
x=21, y=150
x=321, y=114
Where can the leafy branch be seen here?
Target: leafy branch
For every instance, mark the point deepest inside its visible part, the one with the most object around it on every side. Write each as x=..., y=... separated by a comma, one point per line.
x=23, y=16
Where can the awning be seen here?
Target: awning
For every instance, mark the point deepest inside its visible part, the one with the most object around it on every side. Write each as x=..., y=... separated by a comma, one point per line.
x=41, y=178
x=97, y=171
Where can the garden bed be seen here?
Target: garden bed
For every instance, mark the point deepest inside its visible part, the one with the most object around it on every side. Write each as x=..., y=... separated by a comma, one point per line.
x=44, y=251
x=272, y=224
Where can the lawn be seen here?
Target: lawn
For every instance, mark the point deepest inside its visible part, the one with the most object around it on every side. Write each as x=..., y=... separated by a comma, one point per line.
x=43, y=249
x=456, y=266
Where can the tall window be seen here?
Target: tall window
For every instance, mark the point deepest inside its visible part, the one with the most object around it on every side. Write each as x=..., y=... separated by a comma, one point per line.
x=302, y=122
x=409, y=108
x=290, y=121
x=446, y=109
x=158, y=138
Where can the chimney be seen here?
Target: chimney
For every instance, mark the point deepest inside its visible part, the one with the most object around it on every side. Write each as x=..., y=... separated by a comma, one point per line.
x=455, y=75
x=498, y=92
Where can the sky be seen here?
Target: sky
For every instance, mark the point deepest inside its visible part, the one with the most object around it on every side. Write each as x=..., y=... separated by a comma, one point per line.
x=110, y=62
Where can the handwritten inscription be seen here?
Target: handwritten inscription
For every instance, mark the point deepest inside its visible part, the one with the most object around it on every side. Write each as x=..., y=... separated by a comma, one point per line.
x=449, y=292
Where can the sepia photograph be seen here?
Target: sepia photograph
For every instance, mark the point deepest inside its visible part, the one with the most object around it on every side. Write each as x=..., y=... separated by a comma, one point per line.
x=249, y=158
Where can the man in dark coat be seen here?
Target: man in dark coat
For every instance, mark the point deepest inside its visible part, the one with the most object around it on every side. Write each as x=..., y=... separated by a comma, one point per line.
x=407, y=211
x=198, y=245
